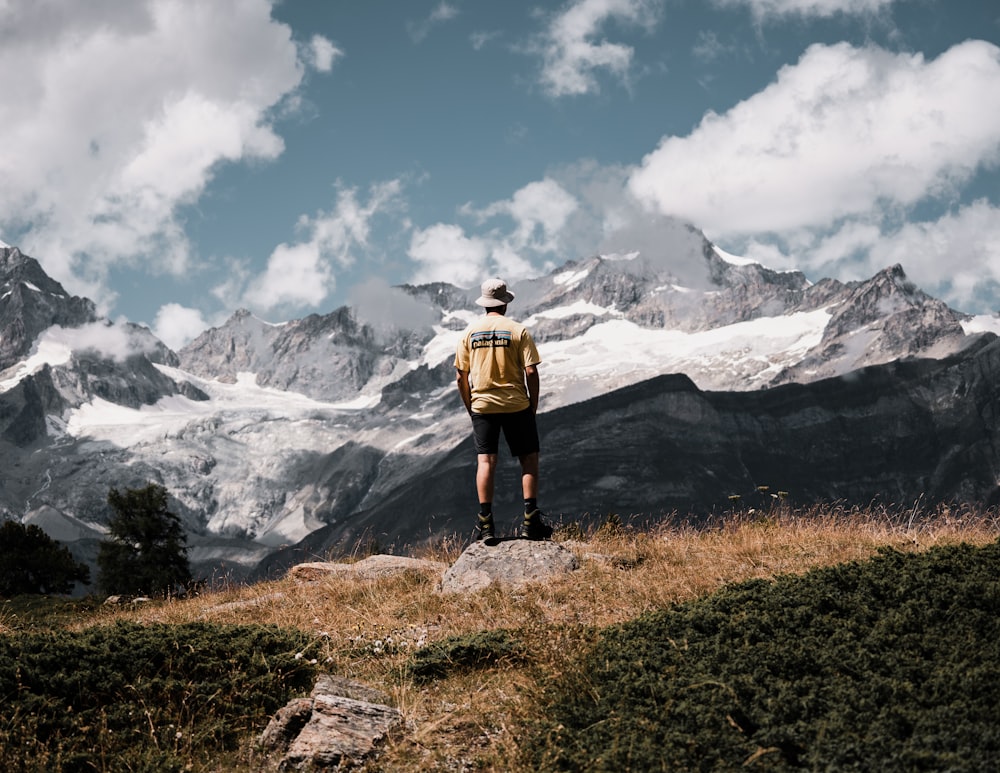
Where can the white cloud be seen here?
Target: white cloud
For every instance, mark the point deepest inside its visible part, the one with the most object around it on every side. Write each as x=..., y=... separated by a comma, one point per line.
x=303, y=274
x=178, y=325
x=540, y=211
x=956, y=257
x=323, y=53
x=296, y=275
x=823, y=8
x=843, y=132
x=442, y=12
x=444, y=253
x=116, y=342
x=577, y=211
x=117, y=114
x=534, y=221
x=572, y=52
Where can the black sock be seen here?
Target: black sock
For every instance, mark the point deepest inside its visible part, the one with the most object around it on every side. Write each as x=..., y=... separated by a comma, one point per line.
x=485, y=509
x=530, y=505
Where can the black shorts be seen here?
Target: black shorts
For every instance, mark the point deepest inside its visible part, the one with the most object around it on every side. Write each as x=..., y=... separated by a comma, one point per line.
x=520, y=430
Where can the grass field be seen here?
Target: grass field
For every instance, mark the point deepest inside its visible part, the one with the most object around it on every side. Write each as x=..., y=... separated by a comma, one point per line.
x=491, y=714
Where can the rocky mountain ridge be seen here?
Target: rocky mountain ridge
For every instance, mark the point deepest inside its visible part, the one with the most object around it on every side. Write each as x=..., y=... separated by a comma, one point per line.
x=305, y=435
x=30, y=303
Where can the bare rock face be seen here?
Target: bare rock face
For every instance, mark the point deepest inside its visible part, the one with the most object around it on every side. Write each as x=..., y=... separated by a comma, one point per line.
x=338, y=727
x=328, y=357
x=511, y=562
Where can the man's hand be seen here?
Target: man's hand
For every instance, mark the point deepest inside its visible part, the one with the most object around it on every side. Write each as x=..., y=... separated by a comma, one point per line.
x=532, y=382
x=464, y=388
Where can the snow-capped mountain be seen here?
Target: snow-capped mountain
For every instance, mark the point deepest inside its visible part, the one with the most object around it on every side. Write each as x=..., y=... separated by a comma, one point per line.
x=319, y=431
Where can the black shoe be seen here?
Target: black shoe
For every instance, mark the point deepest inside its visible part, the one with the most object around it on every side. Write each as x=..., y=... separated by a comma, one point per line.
x=485, y=532
x=534, y=528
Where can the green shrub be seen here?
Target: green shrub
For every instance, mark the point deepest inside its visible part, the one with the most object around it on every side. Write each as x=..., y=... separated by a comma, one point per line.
x=466, y=652
x=888, y=664
x=132, y=697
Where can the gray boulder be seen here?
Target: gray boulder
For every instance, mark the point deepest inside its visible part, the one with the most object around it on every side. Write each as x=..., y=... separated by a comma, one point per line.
x=511, y=562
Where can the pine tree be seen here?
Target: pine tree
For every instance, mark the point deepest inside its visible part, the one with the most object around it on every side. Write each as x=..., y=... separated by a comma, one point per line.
x=146, y=554
x=32, y=562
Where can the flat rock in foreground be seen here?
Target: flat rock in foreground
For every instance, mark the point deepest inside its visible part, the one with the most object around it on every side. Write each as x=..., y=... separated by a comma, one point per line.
x=338, y=727
x=513, y=562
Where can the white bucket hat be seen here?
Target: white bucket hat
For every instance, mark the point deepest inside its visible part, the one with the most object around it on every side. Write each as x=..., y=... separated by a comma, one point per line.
x=494, y=293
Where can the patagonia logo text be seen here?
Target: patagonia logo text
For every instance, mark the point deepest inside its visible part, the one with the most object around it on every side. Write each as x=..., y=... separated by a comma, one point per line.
x=491, y=338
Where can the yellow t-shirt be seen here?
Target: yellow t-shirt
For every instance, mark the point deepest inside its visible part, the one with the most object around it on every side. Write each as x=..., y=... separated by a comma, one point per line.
x=495, y=351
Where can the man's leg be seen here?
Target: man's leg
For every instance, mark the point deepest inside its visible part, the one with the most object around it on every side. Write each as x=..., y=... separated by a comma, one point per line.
x=533, y=527
x=486, y=431
x=485, y=471
x=529, y=475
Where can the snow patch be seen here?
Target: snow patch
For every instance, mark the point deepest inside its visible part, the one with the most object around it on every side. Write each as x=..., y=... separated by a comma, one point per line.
x=51, y=349
x=441, y=347
x=982, y=323
x=751, y=351
x=572, y=310
x=571, y=278
x=734, y=260
x=173, y=416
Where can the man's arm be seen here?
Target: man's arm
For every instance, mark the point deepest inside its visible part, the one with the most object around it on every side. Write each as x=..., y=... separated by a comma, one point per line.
x=464, y=389
x=531, y=380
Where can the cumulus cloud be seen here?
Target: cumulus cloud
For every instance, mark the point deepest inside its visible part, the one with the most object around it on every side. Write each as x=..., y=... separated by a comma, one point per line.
x=576, y=211
x=116, y=115
x=573, y=52
x=178, y=325
x=303, y=274
x=844, y=131
x=539, y=210
x=296, y=275
x=443, y=253
x=516, y=237
x=966, y=241
x=111, y=341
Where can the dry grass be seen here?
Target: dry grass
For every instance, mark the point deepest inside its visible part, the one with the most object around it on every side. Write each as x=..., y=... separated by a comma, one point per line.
x=366, y=629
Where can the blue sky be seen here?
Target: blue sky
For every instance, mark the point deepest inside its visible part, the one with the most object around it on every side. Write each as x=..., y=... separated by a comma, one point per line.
x=175, y=160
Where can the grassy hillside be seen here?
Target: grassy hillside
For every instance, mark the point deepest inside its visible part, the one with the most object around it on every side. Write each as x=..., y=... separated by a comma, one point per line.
x=674, y=644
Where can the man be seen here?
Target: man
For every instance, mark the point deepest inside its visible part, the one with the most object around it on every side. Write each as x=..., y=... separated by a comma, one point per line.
x=496, y=366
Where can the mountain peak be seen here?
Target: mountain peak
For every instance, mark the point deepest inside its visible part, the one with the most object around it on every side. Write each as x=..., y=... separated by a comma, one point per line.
x=16, y=267
x=32, y=302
